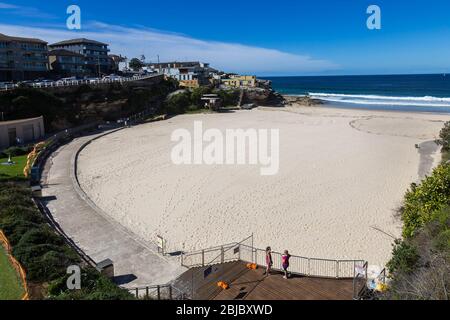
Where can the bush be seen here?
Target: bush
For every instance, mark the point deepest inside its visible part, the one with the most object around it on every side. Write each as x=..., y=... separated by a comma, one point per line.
x=16, y=151
x=421, y=201
x=178, y=103
x=94, y=286
x=444, y=136
x=442, y=241
x=28, y=103
x=404, y=258
x=43, y=253
x=196, y=96
x=229, y=97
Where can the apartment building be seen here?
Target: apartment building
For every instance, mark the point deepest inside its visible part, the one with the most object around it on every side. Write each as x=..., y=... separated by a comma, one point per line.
x=95, y=54
x=65, y=63
x=22, y=58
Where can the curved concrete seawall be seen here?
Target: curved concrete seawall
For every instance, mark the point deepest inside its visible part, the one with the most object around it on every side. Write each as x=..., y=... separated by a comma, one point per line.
x=136, y=261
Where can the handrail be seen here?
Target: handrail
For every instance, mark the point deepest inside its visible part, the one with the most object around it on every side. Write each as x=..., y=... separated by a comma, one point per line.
x=301, y=265
x=70, y=83
x=358, y=290
x=222, y=257
x=158, y=290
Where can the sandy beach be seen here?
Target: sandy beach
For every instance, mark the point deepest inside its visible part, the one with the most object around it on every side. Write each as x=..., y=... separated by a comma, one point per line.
x=342, y=175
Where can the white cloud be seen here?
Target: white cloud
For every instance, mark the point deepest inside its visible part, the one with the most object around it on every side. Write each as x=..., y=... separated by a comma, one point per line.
x=23, y=11
x=4, y=5
x=232, y=57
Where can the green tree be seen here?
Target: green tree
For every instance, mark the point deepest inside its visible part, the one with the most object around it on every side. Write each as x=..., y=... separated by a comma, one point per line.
x=136, y=64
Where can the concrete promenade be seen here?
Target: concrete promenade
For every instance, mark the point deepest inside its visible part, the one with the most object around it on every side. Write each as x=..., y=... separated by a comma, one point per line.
x=136, y=261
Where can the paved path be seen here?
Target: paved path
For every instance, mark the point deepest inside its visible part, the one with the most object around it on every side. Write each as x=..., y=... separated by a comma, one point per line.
x=136, y=262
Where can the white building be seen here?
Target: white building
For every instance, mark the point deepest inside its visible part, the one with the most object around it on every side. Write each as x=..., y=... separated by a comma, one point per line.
x=21, y=131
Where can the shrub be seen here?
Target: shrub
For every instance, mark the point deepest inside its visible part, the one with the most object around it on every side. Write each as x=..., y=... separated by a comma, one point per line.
x=421, y=201
x=196, y=96
x=442, y=241
x=404, y=258
x=229, y=97
x=94, y=286
x=16, y=151
x=178, y=103
x=43, y=253
x=444, y=136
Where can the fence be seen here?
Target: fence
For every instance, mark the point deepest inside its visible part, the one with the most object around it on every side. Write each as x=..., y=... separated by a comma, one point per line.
x=204, y=260
x=360, y=282
x=209, y=260
x=17, y=266
x=71, y=83
x=159, y=292
x=243, y=251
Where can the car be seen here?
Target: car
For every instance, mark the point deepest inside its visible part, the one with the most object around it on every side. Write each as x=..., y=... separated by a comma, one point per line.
x=43, y=83
x=6, y=85
x=112, y=77
x=69, y=79
x=92, y=80
x=26, y=83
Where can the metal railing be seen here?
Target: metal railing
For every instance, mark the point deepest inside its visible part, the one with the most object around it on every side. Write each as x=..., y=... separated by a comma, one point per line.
x=360, y=282
x=204, y=260
x=305, y=266
x=71, y=83
x=214, y=255
x=158, y=292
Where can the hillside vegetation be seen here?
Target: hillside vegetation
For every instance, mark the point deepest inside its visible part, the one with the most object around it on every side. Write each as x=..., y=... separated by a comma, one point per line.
x=43, y=253
x=420, y=264
x=79, y=105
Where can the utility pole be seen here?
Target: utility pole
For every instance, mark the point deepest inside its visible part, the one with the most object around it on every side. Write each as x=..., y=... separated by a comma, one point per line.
x=98, y=64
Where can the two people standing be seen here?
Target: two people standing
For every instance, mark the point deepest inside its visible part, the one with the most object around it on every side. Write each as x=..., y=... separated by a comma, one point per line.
x=284, y=262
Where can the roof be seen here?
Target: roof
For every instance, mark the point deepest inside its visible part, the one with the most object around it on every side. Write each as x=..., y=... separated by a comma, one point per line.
x=4, y=37
x=19, y=121
x=77, y=41
x=185, y=63
x=63, y=52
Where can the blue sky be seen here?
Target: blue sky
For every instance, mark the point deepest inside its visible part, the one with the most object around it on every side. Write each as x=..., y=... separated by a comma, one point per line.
x=284, y=37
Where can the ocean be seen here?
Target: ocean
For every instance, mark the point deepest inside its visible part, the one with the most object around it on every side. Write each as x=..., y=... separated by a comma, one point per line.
x=423, y=93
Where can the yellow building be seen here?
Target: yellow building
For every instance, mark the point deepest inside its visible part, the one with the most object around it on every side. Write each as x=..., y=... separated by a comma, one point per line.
x=240, y=81
x=194, y=83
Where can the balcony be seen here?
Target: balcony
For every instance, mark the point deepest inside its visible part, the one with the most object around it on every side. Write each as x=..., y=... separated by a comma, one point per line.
x=96, y=48
x=33, y=58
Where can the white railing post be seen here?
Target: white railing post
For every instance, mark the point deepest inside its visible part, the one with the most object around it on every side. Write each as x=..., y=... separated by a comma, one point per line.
x=309, y=267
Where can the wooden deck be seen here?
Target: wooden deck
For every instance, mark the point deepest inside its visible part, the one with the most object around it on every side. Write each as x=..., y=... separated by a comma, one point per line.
x=248, y=284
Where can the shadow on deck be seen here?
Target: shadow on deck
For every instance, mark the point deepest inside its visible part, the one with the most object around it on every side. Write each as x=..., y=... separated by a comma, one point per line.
x=248, y=284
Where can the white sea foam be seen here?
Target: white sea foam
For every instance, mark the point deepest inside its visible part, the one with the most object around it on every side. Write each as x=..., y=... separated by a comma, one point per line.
x=427, y=101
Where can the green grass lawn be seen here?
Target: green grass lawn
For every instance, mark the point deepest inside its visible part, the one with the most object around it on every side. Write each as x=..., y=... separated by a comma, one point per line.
x=14, y=171
x=10, y=284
